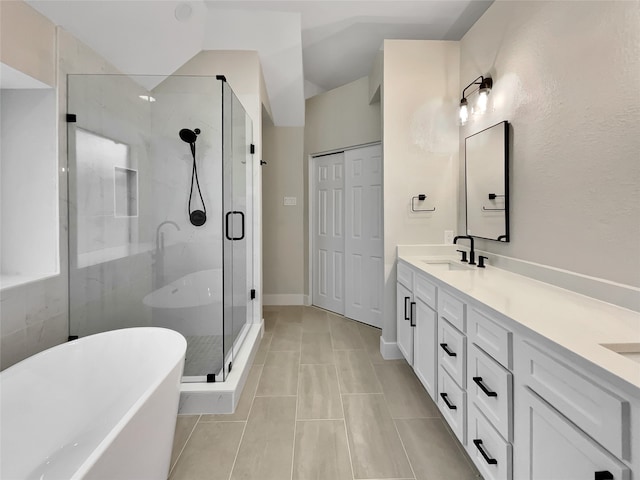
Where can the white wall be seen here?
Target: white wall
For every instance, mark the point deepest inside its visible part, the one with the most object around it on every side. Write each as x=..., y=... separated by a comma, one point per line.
x=283, y=246
x=566, y=76
x=34, y=316
x=29, y=188
x=420, y=143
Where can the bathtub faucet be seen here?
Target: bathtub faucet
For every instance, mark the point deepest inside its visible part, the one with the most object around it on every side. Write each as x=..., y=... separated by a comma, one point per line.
x=160, y=235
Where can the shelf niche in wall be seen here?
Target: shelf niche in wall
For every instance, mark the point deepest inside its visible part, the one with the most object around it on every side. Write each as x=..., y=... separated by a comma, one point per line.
x=29, y=207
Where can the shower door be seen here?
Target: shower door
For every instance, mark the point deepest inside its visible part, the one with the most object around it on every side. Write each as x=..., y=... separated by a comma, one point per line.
x=135, y=258
x=237, y=205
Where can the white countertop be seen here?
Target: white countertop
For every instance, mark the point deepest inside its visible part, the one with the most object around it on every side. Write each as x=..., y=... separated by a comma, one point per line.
x=572, y=320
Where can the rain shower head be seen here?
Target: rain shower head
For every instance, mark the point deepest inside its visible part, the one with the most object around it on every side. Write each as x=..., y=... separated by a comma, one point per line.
x=189, y=136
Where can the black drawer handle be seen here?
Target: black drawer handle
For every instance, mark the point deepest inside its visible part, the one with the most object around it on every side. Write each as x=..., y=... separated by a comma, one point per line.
x=447, y=403
x=483, y=387
x=604, y=475
x=487, y=458
x=412, y=314
x=445, y=347
x=406, y=315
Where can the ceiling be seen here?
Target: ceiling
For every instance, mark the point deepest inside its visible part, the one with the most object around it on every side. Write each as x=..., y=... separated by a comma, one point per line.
x=305, y=46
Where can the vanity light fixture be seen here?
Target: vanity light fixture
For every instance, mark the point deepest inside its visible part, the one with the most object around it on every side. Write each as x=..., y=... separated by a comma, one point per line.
x=485, y=84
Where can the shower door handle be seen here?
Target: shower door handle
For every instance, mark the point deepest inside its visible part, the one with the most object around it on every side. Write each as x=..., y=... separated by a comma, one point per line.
x=227, y=216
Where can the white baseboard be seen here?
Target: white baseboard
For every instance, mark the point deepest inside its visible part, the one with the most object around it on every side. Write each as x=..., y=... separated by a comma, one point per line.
x=285, y=299
x=390, y=350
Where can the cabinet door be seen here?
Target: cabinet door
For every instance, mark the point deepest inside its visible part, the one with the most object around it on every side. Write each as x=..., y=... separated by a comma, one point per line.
x=554, y=448
x=403, y=322
x=425, y=338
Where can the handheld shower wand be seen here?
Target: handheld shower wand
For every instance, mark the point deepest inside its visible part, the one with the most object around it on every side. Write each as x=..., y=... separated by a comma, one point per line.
x=197, y=217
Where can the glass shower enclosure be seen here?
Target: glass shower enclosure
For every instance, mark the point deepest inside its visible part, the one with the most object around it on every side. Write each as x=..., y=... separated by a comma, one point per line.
x=160, y=209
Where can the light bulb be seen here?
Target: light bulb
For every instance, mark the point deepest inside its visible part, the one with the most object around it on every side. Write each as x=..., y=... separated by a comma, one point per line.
x=464, y=114
x=481, y=105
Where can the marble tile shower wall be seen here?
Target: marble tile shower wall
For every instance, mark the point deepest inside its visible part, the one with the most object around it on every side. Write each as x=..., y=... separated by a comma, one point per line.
x=34, y=318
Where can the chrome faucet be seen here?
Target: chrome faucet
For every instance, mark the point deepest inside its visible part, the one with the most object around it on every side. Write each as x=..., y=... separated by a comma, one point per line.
x=160, y=235
x=472, y=253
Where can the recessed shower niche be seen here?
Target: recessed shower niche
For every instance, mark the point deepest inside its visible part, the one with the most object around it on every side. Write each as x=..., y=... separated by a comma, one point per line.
x=136, y=258
x=29, y=176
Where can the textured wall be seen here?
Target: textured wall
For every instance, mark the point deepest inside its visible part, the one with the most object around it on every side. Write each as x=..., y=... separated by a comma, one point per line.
x=420, y=143
x=566, y=76
x=283, y=247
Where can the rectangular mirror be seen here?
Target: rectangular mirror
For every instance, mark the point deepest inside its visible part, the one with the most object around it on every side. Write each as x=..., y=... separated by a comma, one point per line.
x=487, y=183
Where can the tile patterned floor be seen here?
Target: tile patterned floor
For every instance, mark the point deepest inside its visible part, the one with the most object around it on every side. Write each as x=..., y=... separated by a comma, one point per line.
x=321, y=403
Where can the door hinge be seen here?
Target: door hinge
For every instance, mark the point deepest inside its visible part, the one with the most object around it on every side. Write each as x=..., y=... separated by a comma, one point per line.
x=211, y=378
x=71, y=118
x=252, y=294
x=252, y=149
x=229, y=371
x=72, y=338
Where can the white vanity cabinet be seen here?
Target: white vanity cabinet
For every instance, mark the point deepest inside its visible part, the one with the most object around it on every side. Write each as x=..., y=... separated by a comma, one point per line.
x=527, y=396
x=404, y=308
x=416, y=322
x=570, y=423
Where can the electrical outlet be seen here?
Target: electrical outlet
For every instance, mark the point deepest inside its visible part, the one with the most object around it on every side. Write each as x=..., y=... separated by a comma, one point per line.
x=290, y=201
x=448, y=236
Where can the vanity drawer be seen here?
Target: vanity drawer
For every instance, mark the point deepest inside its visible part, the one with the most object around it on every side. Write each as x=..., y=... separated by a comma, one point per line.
x=405, y=275
x=452, y=346
x=490, y=387
x=599, y=412
x=488, y=450
x=452, y=402
x=425, y=291
x=491, y=337
x=451, y=309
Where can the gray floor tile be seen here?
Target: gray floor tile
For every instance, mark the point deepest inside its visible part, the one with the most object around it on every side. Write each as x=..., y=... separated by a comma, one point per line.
x=261, y=354
x=344, y=334
x=270, y=321
x=376, y=450
x=315, y=320
x=318, y=393
x=266, y=451
x=184, y=427
x=279, y=374
x=405, y=395
x=355, y=372
x=286, y=337
x=432, y=450
x=316, y=348
x=246, y=399
x=291, y=314
x=371, y=339
x=321, y=451
x=210, y=452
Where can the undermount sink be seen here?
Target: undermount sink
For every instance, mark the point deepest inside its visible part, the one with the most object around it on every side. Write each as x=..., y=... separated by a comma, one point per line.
x=444, y=264
x=627, y=350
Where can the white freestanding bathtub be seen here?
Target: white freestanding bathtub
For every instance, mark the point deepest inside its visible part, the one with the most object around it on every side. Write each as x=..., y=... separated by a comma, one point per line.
x=101, y=407
x=191, y=305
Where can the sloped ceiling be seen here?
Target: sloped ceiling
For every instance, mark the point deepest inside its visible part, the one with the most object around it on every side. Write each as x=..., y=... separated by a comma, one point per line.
x=317, y=44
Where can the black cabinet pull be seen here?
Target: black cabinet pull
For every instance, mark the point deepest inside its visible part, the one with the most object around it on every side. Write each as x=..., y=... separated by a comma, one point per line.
x=446, y=401
x=406, y=315
x=487, y=458
x=412, y=314
x=483, y=387
x=445, y=347
x=604, y=475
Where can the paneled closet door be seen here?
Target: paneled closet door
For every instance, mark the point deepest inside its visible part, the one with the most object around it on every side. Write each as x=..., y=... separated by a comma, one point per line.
x=363, y=235
x=328, y=217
